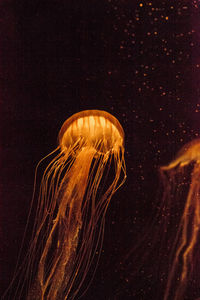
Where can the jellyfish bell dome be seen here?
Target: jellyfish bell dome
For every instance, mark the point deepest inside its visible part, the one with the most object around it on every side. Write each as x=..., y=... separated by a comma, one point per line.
x=188, y=153
x=94, y=129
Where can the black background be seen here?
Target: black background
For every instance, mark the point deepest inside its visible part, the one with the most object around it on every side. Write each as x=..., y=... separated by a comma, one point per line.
x=138, y=60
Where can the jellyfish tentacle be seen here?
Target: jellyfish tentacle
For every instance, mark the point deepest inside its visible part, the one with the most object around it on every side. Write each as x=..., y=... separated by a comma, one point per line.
x=186, y=240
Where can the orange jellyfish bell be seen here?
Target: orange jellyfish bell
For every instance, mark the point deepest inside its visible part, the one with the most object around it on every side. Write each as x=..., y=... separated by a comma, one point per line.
x=189, y=153
x=70, y=215
x=92, y=128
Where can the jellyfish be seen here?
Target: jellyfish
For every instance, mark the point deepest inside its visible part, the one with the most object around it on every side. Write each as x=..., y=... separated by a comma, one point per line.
x=181, y=180
x=72, y=202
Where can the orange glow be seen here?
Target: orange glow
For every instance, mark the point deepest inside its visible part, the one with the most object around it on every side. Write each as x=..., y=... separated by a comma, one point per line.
x=94, y=129
x=187, y=237
x=70, y=215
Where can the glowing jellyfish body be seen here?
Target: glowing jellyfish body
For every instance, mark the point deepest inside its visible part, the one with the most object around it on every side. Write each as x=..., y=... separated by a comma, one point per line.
x=70, y=210
x=188, y=233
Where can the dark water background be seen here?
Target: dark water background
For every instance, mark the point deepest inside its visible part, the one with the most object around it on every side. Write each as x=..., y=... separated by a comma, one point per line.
x=138, y=60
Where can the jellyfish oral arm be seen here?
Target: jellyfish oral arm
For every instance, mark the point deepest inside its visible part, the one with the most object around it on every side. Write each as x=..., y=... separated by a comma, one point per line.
x=69, y=217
